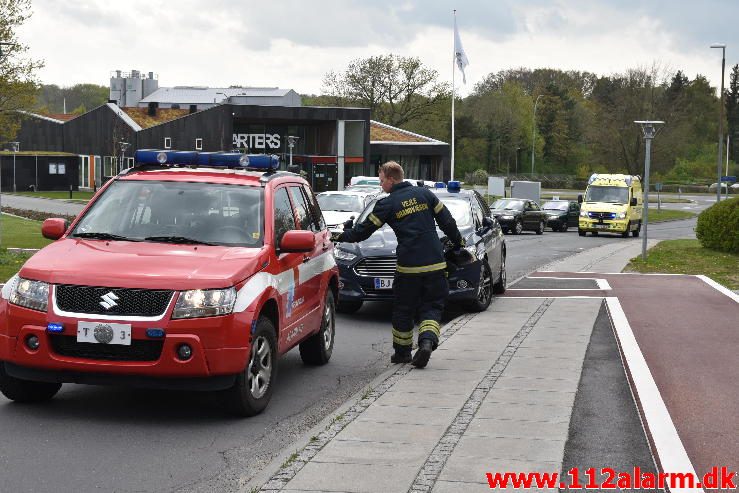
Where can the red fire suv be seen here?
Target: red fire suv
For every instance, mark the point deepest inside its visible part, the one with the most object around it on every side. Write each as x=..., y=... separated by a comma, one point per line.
x=190, y=270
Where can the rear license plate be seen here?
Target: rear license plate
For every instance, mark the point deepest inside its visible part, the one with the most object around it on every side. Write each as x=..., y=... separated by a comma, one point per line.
x=104, y=333
x=383, y=283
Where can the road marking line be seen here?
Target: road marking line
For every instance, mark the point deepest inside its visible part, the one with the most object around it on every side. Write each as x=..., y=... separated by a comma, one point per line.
x=719, y=287
x=668, y=447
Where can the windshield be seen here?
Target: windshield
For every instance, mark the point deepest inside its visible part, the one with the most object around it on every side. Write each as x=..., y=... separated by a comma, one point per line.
x=618, y=195
x=459, y=208
x=555, y=206
x=368, y=181
x=175, y=212
x=509, y=204
x=340, y=202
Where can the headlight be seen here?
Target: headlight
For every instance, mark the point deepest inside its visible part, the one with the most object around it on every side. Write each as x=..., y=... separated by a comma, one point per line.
x=199, y=303
x=30, y=294
x=506, y=217
x=621, y=215
x=584, y=214
x=553, y=216
x=343, y=255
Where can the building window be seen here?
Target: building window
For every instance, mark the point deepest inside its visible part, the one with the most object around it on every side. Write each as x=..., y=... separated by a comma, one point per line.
x=84, y=179
x=175, y=106
x=198, y=144
x=110, y=166
x=167, y=142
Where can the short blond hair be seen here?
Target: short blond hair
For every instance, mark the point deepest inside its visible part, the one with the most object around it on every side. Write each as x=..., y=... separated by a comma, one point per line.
x=392, y=170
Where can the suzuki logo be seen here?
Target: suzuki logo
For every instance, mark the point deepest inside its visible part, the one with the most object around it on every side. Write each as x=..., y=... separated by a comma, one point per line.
x=109, y=300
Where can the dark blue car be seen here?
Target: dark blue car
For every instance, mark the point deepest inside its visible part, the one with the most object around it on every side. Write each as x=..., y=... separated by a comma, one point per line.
x=367, y=269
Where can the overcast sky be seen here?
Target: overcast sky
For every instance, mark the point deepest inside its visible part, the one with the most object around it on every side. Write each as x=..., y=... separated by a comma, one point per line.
x=293, y=43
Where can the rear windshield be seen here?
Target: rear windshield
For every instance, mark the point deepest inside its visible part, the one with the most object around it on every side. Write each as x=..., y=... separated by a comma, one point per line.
x=555, y=206
x=509, y=204
x=341, y=202
x=176, y=212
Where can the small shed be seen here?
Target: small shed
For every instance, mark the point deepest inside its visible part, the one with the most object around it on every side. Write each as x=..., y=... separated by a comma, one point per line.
x=29, y=170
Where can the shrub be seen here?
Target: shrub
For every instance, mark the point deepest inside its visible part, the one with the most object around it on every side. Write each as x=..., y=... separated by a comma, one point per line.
x=718, y=226
x=480, y=177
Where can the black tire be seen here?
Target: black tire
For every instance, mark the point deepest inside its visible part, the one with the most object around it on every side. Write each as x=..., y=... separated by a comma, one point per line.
x=500, y=284
x=484, y=290
x=580, y=232
x=540, y=231
x=625, y=234
x=636, y=232
x=594, y=233
x=505, y=231
x=253, y=388
x=317, y=349
x=517, y=227
x=563, y=227
x=348, y=306
x=19, y=390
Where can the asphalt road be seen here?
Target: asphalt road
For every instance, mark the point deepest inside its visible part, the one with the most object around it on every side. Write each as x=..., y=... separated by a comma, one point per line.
x=98, y=438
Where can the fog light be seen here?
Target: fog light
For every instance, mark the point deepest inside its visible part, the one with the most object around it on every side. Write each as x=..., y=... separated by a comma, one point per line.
x=184, y=352
x=32, y=342
x=462, y=284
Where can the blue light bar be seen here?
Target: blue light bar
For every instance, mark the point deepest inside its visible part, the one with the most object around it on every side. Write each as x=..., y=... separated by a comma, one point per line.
x=439, y=184
x=264, y=161
x=55, y=328
x=153, y=156
x=155, y=333
x=453, y=186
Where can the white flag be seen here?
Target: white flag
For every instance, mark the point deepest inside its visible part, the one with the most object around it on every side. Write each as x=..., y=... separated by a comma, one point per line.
x=459, y=55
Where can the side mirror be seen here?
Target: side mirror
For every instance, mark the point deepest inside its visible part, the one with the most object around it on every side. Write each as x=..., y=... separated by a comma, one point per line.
x=487, y=223
x=579, y=198
x=633, y=201
x=297, y=241
x=54, y=228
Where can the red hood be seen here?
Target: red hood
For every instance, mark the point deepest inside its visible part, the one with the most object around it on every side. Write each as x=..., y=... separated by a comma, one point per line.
x=142, y=265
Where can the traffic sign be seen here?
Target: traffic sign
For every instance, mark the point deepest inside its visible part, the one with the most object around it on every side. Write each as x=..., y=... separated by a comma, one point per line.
x=730, y=179
x=658, y=186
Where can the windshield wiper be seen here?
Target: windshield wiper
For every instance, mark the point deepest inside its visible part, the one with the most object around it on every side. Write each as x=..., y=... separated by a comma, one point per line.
x=104, y=236
x=177, y=239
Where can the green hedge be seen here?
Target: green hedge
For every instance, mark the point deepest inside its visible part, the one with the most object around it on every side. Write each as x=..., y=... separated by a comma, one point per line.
x=718, y=226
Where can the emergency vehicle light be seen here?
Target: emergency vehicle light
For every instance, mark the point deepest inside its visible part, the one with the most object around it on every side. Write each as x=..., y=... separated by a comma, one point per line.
x=439, y=184
x=153, y=156
x=453, y=186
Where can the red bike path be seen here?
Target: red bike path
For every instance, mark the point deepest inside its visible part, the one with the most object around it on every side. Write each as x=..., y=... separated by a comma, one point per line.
x=688, y=333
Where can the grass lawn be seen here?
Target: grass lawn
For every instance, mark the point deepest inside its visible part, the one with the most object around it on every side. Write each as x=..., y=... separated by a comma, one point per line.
x=10, y=264
x=656, y=216
x=21, y=233
x=81, y=196
x=689, y=257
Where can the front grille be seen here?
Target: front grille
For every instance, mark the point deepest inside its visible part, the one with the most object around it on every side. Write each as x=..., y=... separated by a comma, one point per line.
x=377, y=266
x=139, y=350
x=129, y=302
x=602, y=215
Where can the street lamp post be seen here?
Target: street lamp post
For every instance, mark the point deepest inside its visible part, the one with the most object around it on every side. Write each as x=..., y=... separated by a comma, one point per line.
x=124, y=147
x=291, y=141
x=533, y=134
x=649, y=128
x=720, y=119
x=518, y=149
x=15, y=146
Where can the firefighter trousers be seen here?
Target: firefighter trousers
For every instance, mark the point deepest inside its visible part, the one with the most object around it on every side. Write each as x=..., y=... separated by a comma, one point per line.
x=418, y=294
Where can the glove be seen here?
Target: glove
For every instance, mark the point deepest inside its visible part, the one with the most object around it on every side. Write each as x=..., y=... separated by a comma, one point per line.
x=348, y=224
x=336, y=237
x=459, y=256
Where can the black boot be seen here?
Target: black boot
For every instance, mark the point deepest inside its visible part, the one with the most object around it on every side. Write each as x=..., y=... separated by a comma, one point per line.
x=423, y=353
x=400, y=358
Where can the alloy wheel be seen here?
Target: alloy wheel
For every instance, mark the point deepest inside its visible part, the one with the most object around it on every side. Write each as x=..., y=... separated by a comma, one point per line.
x=260, y=367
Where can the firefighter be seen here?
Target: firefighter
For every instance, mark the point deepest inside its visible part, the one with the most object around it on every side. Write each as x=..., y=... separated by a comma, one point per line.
x=420, y=284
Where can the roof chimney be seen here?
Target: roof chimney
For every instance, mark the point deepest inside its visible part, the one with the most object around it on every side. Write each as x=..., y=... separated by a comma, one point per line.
x=153, y=109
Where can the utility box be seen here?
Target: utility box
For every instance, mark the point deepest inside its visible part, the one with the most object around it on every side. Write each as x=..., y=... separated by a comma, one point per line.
x=496, y=186
x=530, y=190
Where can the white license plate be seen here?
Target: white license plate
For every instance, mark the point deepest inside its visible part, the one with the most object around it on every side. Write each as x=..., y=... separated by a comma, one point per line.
x=601, y=226
x=104, y=333
x=383, y=283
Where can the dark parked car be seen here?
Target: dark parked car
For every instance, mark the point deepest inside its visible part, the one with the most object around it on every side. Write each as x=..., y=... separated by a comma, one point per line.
x=367, y=269
x=517, y=215
x=561, y=214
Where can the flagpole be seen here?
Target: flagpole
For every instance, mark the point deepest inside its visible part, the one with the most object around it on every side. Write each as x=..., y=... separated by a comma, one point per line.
x=454, y=59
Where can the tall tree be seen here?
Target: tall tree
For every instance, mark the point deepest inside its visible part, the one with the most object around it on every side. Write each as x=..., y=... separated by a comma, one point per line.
x=53, y=99
x=396, y=89
x=732, y=111
x=18, y=84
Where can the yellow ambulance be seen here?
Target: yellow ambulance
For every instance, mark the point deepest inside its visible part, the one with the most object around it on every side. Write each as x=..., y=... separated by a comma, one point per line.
x=612, y=204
